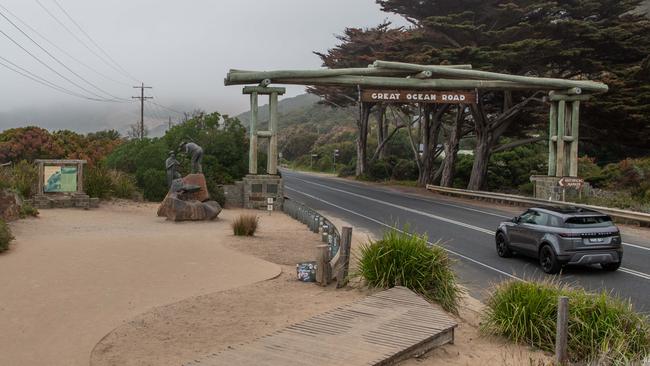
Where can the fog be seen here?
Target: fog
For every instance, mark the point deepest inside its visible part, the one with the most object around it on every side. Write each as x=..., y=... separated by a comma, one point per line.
x=183, y=49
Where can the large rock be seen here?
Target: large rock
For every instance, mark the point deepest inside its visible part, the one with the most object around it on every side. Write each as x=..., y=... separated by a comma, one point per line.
x=176, y=209
x=202, y=194
x=10, y=204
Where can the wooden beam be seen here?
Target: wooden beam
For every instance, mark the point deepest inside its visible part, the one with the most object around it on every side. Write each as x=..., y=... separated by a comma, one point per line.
x=263, y=90
x=575, y=134
x=252, y=154
x=552, y=138
x=560, y=158
x=404, y=83
x=273, y=128
x=545, y=83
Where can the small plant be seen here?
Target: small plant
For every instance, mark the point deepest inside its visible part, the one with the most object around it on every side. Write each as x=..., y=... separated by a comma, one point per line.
x=5, y=236
x=123, y=185
x=404, y=259
x=24, y=178
x=27, y=210
x=245, y=225
x=602, y=329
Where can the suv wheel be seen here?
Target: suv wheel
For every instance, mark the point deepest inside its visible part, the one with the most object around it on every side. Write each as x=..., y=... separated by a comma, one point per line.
x=503, y=250
x=611, y=266
x=548, y=261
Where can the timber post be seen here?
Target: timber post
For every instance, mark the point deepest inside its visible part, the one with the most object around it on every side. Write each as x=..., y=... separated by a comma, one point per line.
x=271, y=133
x=564, y=134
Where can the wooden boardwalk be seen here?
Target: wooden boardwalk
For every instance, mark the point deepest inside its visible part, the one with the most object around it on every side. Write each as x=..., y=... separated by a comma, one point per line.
x=381, y=329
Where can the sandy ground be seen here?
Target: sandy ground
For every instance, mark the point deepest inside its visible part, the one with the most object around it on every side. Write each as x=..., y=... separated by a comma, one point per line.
x=72, y=275
x=193, y=328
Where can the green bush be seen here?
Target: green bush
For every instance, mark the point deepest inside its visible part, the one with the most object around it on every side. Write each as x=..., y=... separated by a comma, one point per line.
x=403, y=259
x=5, y=236
x=97, y=181
x=27, y=210
x=602, y=329
x=123, y=185
x=153, y=183
x=245, y=225
x=24, y=178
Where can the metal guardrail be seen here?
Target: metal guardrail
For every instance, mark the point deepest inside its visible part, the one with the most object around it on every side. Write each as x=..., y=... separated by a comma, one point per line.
x=316, y=222
x=641, y=218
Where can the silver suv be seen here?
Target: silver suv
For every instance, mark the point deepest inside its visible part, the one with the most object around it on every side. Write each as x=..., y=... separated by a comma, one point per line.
x=562, y=235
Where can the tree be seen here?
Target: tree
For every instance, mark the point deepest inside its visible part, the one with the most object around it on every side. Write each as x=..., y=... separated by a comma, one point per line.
x=584, y=39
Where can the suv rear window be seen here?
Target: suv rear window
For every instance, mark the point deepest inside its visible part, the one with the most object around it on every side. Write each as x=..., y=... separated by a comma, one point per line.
x=589, y=221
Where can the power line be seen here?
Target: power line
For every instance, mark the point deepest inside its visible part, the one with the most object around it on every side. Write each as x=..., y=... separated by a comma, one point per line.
x=167, y=108
x=82, y=42
x=93, y=41
x=61, y=49
x=28, y=74
x=51, y=69
x=57, y=60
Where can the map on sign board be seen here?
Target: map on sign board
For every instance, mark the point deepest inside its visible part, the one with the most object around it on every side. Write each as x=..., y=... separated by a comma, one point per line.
x=60, y=179
x=419, y=96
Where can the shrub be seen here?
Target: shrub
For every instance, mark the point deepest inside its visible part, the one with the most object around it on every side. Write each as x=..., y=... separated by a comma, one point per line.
x=5, y=236
x=602, y=329
x=122, y=185
x=28, y=210
x=97, y=182
x=24, y=178
x=245, y=225
x=404, y=259
x=153, y=183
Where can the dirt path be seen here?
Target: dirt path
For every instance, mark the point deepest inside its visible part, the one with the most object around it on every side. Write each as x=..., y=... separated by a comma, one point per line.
x=72, y=276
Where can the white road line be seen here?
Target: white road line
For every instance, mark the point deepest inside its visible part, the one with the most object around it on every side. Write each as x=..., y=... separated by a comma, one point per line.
x=420, y=198
x=637, y=246
x=392, y=227
x=456, y=206
x=440, y=218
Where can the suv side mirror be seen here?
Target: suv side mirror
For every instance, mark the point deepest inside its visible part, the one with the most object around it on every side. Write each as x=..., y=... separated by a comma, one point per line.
x=516, y=219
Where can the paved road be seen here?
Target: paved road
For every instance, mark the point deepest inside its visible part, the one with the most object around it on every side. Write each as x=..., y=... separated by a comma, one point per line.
x=466, y=230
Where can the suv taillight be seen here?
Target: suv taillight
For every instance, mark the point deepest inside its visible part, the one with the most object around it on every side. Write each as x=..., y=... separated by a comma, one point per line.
x=570, y=235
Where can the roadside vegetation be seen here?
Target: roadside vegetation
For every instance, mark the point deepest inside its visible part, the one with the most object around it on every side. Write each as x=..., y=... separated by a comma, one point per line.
x=245, y=225
x=128, y=169
x=404, y=259
x=5, y=236
x=602, y=329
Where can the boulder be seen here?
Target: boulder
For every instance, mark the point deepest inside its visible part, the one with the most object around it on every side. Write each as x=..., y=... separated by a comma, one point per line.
x=196, y=180
x=175, y=209
x=10, y=205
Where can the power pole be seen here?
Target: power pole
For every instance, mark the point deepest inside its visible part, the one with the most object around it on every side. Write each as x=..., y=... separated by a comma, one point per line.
x=142, y=99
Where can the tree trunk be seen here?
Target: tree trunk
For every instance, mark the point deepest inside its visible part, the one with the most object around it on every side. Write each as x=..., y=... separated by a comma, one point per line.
x=382, y=132
x=362, y=139
x=430, y=131
x=451, y=150
x=481, y=158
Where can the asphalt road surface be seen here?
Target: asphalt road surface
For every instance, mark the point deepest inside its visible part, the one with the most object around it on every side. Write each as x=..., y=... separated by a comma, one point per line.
x=466, y=230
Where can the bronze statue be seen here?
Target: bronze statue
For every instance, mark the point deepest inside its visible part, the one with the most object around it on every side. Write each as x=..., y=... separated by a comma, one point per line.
x=172, y=165
x=196, y=153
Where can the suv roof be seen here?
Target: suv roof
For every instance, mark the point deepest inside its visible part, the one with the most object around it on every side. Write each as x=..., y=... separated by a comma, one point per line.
x=569, y=211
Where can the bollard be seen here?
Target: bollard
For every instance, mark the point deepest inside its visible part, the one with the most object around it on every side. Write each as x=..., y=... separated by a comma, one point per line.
x=324, y=233
x=323, y=269
x=561, y=336
x=344, y=254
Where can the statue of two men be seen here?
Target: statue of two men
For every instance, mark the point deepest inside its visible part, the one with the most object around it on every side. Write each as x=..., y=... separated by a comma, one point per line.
x=172, y=165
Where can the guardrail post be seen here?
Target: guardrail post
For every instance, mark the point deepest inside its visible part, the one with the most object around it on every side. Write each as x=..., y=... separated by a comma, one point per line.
x=561, y=336
x=344, y=258
x=323, y=269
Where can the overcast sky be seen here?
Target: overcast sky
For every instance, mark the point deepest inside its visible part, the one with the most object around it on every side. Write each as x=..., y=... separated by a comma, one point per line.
x=181, y=48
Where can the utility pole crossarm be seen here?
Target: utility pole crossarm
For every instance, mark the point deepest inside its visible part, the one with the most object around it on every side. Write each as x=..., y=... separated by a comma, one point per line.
x=142, y=99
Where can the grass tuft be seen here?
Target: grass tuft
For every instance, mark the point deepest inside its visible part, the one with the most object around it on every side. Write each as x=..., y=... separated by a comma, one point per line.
x=403, y=259
x=245, y=225
x=602, y=329
x=5, y=236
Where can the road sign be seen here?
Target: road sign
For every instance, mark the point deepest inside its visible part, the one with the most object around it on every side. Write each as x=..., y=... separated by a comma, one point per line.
x=569, y=182
x=419, y=96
